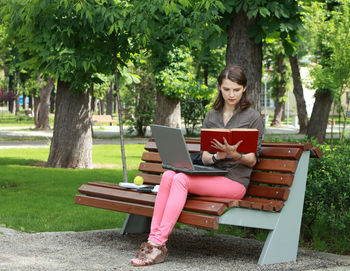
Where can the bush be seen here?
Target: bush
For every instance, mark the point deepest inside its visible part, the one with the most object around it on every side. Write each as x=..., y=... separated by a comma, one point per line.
x=326, y=217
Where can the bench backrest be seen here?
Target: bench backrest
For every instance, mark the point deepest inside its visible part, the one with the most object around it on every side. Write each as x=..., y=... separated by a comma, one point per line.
x=270, y=181
x=102, y=118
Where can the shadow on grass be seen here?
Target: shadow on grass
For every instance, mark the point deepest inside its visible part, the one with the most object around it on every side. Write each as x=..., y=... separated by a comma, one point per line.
x=20, y=161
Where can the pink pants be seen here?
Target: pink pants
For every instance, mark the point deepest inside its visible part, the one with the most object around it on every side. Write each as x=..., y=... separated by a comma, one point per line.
x=172, y=196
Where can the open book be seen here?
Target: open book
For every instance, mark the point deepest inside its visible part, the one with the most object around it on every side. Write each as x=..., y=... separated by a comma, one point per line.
x=249, y=137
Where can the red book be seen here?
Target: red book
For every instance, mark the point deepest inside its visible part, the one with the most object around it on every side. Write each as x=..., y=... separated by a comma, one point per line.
x=249, y=137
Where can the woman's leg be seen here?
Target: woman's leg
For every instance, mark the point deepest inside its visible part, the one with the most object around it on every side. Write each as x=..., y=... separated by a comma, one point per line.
x=215, y=186
x=171, y=210
x=161, y=200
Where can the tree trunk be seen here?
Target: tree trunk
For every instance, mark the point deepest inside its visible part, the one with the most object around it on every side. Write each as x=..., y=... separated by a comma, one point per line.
x=115, y=107
x=93, y=104
x=244, y=52
x=25, y=105
x=168, y=111
x=319, y=118
x=281, y=91
x=299, y=95
x=36, y=110
x=18, y=78
x=31, y=102
x=109, y=98
x=101, y=108
x=44, y=106
x=71, y=145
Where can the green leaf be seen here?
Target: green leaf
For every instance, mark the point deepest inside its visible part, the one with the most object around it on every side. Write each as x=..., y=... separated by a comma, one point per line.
x=264, y=12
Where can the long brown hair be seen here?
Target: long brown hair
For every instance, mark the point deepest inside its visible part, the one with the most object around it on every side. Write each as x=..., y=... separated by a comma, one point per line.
x=235, y=74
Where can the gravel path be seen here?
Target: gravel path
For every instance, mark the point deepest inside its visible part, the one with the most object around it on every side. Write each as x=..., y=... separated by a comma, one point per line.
x=109, y=250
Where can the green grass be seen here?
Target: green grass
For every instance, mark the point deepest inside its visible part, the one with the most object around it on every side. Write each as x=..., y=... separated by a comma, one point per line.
x=37, y=199
x=21, y=120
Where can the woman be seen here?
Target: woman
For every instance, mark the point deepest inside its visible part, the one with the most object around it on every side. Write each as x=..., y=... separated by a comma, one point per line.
x=230, y=110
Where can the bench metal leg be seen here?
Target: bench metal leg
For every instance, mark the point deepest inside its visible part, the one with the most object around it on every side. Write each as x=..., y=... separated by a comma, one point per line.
x=136, y=224
x=281, y=244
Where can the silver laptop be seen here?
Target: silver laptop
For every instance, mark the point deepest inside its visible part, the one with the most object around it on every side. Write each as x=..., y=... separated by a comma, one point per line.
x=173, y=150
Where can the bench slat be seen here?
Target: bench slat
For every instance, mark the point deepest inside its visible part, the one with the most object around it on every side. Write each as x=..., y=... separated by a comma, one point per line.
x=151, y=157
x=277, y=165
x=206, y=221
x=276, y=204
x=264, y=164
x=303, y=145
x=128, y=195
x=285, y=179
x=268, y=192
x=151, y=167
x=103, y=119
x=282, y=153
x=150, y=178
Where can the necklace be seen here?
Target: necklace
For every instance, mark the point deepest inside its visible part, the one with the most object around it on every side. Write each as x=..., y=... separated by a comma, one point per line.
x=227, y=116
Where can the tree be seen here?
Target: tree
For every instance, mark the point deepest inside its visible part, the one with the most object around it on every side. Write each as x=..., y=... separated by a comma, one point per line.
x=329, y=38
x=299, y=94
x=73, y=41
x=242, y=24
x=279, y=89
x=44, y=105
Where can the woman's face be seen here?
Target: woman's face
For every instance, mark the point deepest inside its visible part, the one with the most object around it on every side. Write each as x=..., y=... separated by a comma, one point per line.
x=231, y=92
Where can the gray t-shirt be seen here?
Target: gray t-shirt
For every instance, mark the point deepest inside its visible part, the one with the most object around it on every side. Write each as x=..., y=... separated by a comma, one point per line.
x=249, y=118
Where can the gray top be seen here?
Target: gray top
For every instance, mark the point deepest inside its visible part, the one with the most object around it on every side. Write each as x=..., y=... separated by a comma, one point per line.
x=249, y=118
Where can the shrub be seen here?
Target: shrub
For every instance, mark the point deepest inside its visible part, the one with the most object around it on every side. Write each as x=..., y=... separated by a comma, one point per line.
x=326, y=217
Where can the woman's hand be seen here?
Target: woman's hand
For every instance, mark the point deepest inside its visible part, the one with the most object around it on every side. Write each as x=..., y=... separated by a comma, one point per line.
x=226, y=149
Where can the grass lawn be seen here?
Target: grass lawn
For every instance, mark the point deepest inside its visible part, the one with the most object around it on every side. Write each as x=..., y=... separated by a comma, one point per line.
x=37, y=199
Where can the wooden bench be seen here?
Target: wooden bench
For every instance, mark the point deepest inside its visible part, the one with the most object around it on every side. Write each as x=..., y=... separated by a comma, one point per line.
x=103, y=119
x=274, y=199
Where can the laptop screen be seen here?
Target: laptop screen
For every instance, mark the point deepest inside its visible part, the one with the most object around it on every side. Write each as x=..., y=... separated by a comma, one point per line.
x=171, y=146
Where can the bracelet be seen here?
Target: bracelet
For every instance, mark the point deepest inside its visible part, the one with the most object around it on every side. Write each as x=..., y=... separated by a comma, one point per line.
x=239, y=157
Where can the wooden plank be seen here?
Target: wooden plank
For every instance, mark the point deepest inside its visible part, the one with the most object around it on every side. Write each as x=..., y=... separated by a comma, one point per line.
x=285, y=179
x=303, y=145
x=128, y=195
x=151, y=168
x=277, y=165
x=150, y=178
x=145, y=210
x=228, y=202
x=211, y=208
x=268, y=192
x=276, y=204
x=117, y=194
x=152, y=147
x=315, y=152
x=282, y=153
x=151, y=157
x=211, y=222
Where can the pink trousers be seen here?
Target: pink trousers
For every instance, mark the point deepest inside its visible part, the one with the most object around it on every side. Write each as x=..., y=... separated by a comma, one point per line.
x=172, y=196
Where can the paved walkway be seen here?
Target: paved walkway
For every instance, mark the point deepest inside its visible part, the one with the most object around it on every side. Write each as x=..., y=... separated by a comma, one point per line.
x=109, y=250
x=109, y=135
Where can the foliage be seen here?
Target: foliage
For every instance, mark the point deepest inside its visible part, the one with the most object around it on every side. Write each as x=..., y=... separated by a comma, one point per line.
x=330, y=42
x=193, y=105
x=139, y=98
x=326, y=209
x=72, y=40
x=280, y=78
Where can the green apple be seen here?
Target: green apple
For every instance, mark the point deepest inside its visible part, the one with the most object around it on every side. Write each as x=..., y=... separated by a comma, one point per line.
x=138, y=180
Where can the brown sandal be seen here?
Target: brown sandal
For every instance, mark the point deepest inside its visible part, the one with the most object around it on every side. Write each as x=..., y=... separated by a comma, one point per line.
x=149, y=254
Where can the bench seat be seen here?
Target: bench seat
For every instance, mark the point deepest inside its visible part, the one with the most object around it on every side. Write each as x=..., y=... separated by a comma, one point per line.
x=273, y=201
